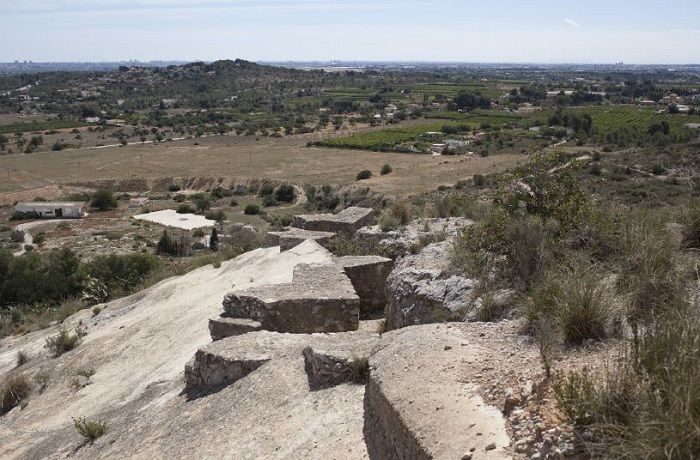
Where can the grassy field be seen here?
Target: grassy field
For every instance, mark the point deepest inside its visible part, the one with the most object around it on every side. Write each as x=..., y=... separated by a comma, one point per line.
x=240, y=157
x=37, y=126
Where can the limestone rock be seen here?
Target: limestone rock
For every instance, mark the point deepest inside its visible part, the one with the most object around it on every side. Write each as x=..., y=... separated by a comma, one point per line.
x=421, y=289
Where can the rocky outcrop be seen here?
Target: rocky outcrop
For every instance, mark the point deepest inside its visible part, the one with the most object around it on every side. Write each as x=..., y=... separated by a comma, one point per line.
x=320, y=298
x=347, y=221
x=368, y=275
x=403, y=240
x=422, y=290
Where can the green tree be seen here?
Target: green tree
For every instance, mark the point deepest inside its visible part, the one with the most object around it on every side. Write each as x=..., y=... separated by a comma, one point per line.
x=214, y=240
x=103, y=200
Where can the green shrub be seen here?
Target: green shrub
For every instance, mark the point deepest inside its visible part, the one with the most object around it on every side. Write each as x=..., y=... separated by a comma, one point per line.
x=479, y=180
x=388, y=221
x=185, y=208
x=173, y=188
x=170, y=246
x=233, y=203
x=17, y=236
x=62, y=342
x=103, y=200
x=266, y=190
x=218, y=216
x=90, y=430
x=285, y=193
x=386, y=169
x=252, y=209
x=14, y=389
x=268, y=201
x=364, y=174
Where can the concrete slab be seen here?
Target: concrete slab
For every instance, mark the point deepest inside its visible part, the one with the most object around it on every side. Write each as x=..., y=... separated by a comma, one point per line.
x=170, y=218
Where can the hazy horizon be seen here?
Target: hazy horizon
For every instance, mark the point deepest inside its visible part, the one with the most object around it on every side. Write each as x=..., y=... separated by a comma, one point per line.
x=451, y=31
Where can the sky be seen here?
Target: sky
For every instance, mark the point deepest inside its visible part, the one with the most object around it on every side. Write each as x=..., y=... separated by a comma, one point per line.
x=533, y=31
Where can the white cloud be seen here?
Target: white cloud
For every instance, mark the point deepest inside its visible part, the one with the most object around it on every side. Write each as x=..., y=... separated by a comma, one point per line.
x=572, y=23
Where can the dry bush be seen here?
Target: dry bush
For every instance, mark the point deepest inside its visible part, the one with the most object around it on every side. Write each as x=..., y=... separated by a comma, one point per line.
x=62, y=342
x=576, y=302
x=13, y=390
x=647, y=405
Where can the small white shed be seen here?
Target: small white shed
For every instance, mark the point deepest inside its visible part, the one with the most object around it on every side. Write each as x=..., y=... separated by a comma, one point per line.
x=53, y=209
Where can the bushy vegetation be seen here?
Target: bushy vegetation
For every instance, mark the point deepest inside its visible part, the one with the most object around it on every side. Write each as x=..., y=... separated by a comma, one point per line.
x=63, y=342
x=252, y=209
x=364, y=174
x=35, y=283
x=14, y=389
x=648, y=404
x=89, y=429
x=104, y=200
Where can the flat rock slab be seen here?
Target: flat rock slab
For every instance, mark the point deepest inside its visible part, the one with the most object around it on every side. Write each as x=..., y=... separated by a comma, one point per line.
x=346, y=221
x=420, y=402
x=320, y=298
x=223, y=327
x=368, y=275
x=288, y=239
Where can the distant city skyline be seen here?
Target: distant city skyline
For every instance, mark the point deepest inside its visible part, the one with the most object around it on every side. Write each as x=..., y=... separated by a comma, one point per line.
x=538, y=31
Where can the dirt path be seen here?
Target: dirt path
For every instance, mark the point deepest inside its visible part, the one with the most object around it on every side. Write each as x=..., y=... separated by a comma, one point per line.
x=28, y=239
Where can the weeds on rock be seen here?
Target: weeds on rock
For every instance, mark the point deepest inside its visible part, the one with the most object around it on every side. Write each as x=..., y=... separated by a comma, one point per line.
x=63, y=342
x=90, y=430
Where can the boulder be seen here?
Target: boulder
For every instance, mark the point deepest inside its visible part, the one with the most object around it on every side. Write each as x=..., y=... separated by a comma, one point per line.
x=422, y=290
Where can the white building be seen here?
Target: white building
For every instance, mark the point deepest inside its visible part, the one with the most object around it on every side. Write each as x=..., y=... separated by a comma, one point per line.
x=51, y=209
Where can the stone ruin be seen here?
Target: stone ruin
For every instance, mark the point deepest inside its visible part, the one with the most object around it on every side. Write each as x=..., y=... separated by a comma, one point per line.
x=331, y=315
